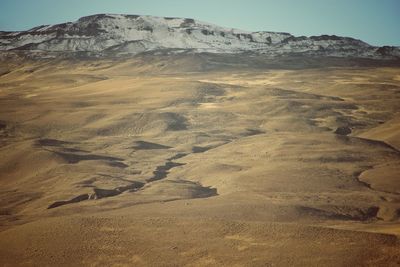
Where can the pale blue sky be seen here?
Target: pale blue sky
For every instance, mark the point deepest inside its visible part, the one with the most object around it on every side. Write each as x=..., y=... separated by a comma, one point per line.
x=374, y=21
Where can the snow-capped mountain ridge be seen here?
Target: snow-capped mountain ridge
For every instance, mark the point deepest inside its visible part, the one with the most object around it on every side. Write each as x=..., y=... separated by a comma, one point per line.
x=117, y=34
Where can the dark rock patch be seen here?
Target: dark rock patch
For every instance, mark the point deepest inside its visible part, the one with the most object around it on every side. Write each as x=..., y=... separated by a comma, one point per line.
x=4, y=72
x=101, y=193
x=132, y=16
x=343, y=130
x=133, y=186
x=162, y=171
x=143, y=145
x=170, y=18
x=251, y=132
x=176, y=122
x=386, y=50
x=178, y=156
x=207, y=32
x=75, y=158
x=3, y=125
x=187, y=23
x=118, y=164
x=200, y=149
x=73, y=150
x=73, y=200
x=98, y=193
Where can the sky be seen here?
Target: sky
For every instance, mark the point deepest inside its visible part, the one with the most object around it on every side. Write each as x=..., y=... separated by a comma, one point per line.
x=375, y=21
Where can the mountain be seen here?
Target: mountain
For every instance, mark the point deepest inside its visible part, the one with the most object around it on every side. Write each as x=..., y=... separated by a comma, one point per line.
x=119, y=35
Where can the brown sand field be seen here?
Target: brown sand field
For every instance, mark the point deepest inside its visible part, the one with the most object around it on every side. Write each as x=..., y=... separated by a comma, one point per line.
x=133, y=163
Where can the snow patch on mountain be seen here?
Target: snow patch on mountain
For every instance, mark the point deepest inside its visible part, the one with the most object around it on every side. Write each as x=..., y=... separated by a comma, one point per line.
x=118, y=34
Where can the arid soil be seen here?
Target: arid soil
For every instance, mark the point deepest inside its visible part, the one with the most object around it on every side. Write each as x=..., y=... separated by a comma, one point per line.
x=128, y=163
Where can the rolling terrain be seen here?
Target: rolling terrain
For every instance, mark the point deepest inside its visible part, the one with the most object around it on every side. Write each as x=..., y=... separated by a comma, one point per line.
x=131, y=140
x=184, y=161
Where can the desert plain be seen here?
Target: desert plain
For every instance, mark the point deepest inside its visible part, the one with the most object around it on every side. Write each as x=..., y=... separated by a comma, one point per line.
x=185, y=161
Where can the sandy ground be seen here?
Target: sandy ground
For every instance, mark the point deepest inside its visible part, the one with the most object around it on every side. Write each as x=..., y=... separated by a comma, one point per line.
x=106, y=163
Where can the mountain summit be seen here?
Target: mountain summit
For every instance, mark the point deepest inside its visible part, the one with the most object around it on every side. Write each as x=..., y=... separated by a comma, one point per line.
x=119, y=35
